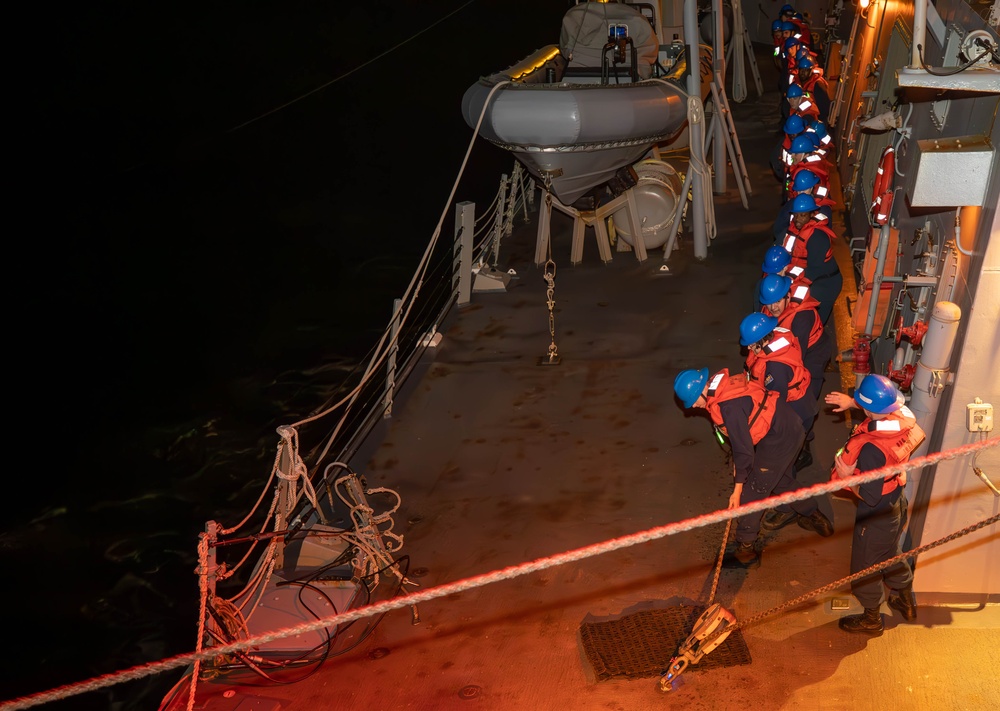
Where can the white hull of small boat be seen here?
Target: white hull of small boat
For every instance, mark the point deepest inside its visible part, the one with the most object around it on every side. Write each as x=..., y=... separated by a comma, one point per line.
x=572, y=135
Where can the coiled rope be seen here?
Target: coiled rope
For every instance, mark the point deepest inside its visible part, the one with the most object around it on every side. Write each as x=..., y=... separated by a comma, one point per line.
x=182, y=660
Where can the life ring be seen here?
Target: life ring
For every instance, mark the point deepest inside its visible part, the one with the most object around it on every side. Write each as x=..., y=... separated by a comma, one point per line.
x=882, y=193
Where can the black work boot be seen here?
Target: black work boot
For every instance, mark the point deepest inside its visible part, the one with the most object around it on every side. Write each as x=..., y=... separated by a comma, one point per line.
x=869, y=622
x=774, y=519
x=744, y=556
x=817, y=522
x=903, y=602
x=805, y=457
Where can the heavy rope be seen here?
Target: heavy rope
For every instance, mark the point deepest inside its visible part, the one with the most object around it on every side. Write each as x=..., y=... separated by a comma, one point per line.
x=718, y=563
x=510, y=572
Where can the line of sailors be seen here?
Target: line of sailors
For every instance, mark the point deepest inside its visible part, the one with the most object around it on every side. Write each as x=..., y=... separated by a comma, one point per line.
x=767, y=412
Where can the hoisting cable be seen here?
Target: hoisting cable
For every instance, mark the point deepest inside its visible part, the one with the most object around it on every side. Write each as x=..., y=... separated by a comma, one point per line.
x=477, y=581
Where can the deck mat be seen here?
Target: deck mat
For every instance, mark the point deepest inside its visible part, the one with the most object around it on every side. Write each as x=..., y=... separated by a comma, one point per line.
x=641, y=644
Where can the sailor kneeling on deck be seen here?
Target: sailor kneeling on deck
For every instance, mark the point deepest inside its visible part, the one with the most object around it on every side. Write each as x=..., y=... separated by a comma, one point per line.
x=765, y=435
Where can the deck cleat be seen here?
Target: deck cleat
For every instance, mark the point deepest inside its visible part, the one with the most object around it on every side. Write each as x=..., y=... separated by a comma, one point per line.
x=710, y=630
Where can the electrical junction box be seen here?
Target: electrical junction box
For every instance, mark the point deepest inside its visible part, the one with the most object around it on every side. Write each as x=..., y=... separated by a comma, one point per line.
x=950, y=172
x=979, y=416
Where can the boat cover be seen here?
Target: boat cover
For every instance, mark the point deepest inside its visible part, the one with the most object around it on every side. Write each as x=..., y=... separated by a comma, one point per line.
x=585, y=32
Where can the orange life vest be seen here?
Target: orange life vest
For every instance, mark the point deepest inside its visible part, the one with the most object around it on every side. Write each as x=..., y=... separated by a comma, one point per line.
x=812, y=162
x=724, y=387
x=897, y=435
x=801, y=300
x=783, y=348
x=797, y=241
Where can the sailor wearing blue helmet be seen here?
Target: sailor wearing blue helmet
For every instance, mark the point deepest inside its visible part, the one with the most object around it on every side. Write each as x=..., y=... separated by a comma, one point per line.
x=764, y=435
x=888, y=436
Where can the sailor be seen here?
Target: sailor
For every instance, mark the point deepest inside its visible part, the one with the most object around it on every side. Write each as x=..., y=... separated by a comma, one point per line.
x=774, y=360
x=764, y=435
x=806, y=182
x=795, y=309
x=800, y=102
x=809, y=241
x=802, y=30
x=802, y=155
x=778, y=39
x=818, y=128
x=793, y=127
x=887, y=436
x=814, y=85
x=778, y=261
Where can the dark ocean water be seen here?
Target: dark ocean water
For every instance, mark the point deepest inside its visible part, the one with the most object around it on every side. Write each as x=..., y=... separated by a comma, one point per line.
x=176, y=289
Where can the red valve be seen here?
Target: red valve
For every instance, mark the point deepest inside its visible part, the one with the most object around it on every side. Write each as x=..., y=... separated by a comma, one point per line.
x=914, y=333
x=903, y=376
x=862, y=352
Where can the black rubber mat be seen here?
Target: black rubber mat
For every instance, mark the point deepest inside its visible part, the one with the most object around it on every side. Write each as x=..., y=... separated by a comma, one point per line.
x=641, y=644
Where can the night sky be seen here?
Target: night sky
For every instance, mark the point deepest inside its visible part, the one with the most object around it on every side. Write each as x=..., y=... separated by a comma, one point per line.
x=170, y=270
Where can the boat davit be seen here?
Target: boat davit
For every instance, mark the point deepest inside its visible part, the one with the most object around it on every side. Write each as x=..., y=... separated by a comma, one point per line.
x=577, y=112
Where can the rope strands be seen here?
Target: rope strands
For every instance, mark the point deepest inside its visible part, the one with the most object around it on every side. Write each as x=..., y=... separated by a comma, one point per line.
x=178, y=661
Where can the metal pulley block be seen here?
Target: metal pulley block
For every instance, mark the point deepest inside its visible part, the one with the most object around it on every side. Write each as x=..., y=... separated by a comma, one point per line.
x=710, y=630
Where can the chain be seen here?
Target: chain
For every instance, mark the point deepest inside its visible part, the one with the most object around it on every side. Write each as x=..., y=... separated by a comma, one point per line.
x=550, y=279
x=868, y=571
x=549, y=275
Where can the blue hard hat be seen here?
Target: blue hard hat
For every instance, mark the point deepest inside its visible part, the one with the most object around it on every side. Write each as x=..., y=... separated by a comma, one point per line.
x=755, y=326
x=786, y=8
x=776, y=258
x=804, y=180
x=793, y=91
x=794, y=125
x=877, y=394
x=791, y=41
x=819, y=128
x=776, y=26
x=805, y=63
x=689, y=384
x=798, y=16
x=803, y=203
x=773, y=288
x=790, y=26
x=802, y=144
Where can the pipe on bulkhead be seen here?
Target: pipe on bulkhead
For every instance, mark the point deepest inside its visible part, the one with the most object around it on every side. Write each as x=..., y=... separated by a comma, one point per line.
x=932, y=368
x=919, y=33
x=698, y=187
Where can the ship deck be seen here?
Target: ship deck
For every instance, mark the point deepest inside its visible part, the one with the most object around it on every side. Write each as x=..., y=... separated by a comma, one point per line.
x=500, y=461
